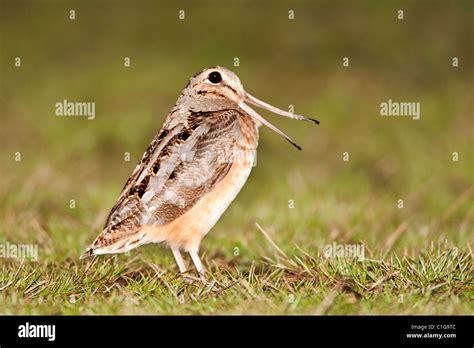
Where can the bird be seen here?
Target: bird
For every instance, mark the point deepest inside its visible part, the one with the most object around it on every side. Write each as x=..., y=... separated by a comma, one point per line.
x=191, y=171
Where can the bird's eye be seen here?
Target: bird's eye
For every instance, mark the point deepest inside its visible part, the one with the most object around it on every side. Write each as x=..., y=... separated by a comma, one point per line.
x=215, y=77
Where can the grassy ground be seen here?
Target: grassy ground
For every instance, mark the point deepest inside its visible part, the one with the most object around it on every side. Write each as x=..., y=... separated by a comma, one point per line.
x=418, y=258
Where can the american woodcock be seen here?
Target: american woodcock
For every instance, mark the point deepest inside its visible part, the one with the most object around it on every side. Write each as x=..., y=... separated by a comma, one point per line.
x=192, y=170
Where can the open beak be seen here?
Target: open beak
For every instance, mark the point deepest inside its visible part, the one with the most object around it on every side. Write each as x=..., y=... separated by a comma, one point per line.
x=252, y=100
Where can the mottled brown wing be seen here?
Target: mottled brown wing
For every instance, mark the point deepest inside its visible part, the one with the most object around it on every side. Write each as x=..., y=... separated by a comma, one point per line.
x=149, y=157
x=176, y=171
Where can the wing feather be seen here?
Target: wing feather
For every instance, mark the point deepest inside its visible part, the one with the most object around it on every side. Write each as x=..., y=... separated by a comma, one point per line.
x=180, y=166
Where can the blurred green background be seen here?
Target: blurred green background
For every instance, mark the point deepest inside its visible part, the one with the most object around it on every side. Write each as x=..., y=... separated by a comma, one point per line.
x=283, y=62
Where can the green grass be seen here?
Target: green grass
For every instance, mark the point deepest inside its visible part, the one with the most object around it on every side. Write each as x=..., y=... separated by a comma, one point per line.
x=438, y=281
x=418, y=259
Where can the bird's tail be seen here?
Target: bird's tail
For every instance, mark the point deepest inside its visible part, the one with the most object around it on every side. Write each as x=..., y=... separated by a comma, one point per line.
x=122, y=242
x=89, y=252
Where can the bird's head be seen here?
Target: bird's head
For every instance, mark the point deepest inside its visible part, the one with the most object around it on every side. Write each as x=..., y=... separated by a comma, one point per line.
x=217, y=88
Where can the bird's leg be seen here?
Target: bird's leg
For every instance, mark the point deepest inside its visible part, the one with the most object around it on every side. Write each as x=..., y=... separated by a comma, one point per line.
x=197, y=261
x=179, y=259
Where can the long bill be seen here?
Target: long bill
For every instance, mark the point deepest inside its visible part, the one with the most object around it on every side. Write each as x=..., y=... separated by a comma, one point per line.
x=252, y=100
